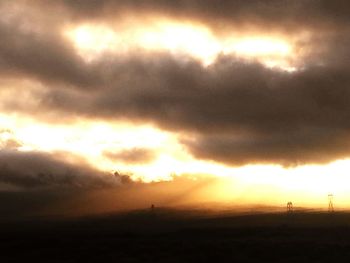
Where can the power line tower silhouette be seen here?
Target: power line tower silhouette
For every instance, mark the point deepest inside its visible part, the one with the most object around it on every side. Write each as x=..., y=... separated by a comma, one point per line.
x=330, y=203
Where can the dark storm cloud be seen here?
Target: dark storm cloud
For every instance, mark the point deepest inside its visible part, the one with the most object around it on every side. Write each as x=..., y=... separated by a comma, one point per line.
x=132, y=156
x=243, y=111
x=40, y=54
x=296, y=147
x=282, y=14
x=233, y=111
x=42, y=170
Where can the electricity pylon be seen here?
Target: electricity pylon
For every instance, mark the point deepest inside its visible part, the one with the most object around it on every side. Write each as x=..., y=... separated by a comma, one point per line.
x=330, y=203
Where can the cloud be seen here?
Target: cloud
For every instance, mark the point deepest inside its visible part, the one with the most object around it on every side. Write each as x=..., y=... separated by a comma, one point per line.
x=132, y=156
x=63, y=201
x=7, y=141
x=42, y=170
x=40, y=54
x=221, y=15
x=234, y=111
x=269, y=115
x=296, y=147
x=11, y=144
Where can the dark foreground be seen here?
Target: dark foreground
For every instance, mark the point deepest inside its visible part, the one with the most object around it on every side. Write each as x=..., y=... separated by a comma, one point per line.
x=180, y=236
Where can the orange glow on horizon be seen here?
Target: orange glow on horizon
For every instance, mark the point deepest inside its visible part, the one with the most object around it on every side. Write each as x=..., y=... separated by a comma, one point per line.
x=268, y=184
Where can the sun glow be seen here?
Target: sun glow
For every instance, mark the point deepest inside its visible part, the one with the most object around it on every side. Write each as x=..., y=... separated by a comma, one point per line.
x=307, y=184
x=92, y=40
x=90, y=140
x=260, y=47
x=180, y=39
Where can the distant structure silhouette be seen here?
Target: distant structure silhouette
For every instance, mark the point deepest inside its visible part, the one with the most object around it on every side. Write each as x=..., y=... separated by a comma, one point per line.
x=152, y=207
x=330, y=203
x=289, y=207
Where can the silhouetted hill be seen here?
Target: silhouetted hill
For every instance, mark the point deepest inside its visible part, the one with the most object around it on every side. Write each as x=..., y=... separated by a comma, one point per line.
x=173, y=235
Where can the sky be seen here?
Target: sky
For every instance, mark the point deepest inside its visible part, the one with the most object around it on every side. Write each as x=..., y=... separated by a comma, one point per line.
x=108, y=105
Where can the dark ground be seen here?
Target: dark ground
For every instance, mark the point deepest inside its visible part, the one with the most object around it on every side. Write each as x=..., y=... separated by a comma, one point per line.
x=165, y=235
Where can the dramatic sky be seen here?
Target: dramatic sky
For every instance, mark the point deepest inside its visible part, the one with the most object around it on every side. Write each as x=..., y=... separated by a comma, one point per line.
x=116, y=104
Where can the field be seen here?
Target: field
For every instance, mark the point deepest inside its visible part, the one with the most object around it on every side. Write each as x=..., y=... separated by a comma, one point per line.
x=170, y=235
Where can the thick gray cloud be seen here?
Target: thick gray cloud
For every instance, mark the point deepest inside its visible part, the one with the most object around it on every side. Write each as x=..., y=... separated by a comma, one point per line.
x=295, y=147
x=31, y=49
x=285, y=14
x=42, y=170
x=245, y=111
x=233, y=111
